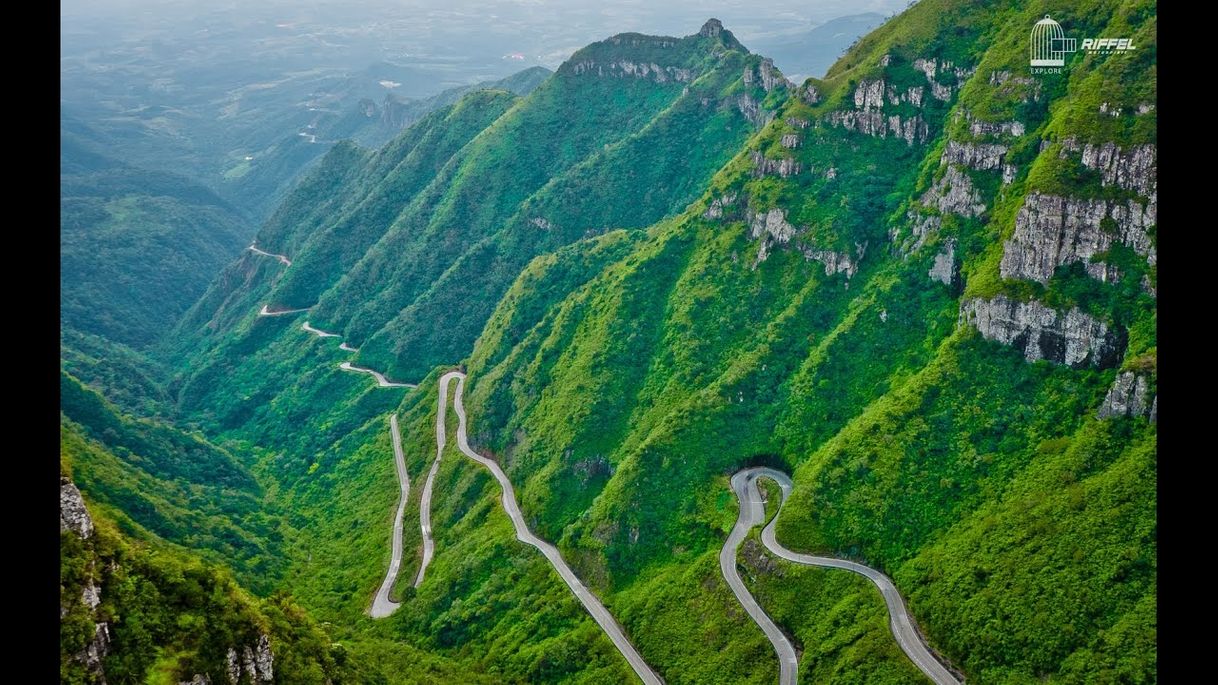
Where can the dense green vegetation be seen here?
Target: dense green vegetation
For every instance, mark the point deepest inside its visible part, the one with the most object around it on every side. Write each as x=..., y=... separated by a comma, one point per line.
x=137, y=248
x=169, y=483
x=620, y=376
x=170, y=615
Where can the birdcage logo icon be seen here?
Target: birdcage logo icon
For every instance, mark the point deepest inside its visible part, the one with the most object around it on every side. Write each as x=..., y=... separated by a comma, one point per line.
x=1050, y=44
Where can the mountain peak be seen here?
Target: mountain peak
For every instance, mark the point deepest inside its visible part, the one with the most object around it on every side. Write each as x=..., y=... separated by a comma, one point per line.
x=713, y=27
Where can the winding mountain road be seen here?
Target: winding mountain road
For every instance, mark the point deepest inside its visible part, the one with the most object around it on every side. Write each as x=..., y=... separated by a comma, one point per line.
x=429, y=545
x=382, y=606
x=318, y=332
x=752, y=513
x=585, y=596
x=380, y=378
x=266, y=311
x=282, y=259
x=347, y=348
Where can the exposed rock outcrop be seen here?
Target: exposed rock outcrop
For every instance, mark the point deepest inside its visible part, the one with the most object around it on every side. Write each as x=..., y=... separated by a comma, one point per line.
x=628, y=69
x=797, y=122
x=790, y=140
x=770, y=77
x=97, y=649
x=719, y=205
x=73, y=515
x=809, y=94
x=542, y=223
x=868, y=116
x=1022, y=87
x=711, y=29
x=1129, y=395
x=785, y=168
x=772, y=228
x=874, y=123
x=945, y=269
x=1051, y=231
x=256, y=661
x=752, y=110
x=954, y=193
x=1132, y=169
x=979, y=156
x=1040, y=332
x=198, y=679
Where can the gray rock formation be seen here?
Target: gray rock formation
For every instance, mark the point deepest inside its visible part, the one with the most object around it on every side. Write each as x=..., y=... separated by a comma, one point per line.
x=264, y=660
x=627, y=69
x=93, y=653
x=542, y=223
x=772, y=228
x=198, y=679
x=869, y=95
x=770, y=77
x=809, y=94
x=954, y=193
x=91, y=595
x=796, y=122
x=752, y=110
x=233, y=668
x=996, y=128
x=1133, y=169
x=1051, y=231
x=1129, y=395
x=945, y=269
x=874, y=123
x=1022, y=87
x=790, y=140
x=73, y=515
x=715, y=211
x=711, y=29
x=1154, y=410
x=719, y=205
x=834, y=262
x=1040, y=332
x=785, y=168
x=979, y=156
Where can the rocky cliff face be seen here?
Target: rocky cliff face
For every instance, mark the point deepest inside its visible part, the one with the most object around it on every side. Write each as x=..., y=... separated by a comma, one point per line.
x=628, y=69
x=72, y=513
x=773, y=229
x=1051, y=231
x=74, y=517
x=785, y=167
x=1129, y=396
x=255, y=661
x=1040, y=332
x=1131, y=169
x=954, y=193
x=945, y=268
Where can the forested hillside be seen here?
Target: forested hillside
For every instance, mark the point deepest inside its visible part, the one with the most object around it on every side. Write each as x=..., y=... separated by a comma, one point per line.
x=924, y=286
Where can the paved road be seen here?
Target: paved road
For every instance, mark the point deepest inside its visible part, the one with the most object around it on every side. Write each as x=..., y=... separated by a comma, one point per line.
x=752, y=513
x=745, y=485
x=429, y=545
x=380, y=379
x=382, y=606
x=318, y=332
x=266, y=311
x=347, y=348
x=585, y=596
x=282, y=259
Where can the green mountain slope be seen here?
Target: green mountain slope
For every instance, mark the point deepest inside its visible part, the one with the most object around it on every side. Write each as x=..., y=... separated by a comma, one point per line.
x=137, y=248
x=395, y=256
x=925, y=286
